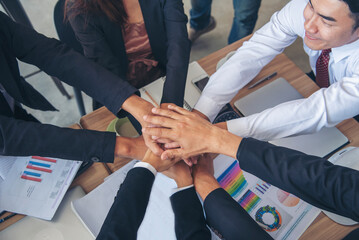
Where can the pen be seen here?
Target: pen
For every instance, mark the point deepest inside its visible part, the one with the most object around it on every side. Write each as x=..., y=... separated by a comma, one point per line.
x=262, y=80
x=2, y=213
x=7, y=217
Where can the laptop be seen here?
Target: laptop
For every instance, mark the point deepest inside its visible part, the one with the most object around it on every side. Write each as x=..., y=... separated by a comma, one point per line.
x=64, y=225
x=321, y=144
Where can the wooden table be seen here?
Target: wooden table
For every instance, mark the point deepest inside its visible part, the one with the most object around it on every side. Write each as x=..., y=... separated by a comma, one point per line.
x=322, y=227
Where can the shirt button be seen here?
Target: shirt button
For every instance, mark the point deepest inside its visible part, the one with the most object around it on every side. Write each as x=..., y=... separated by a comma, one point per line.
x=95, y=159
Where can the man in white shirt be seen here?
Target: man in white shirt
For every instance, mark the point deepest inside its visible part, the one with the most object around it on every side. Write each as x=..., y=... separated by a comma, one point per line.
x=330, y=25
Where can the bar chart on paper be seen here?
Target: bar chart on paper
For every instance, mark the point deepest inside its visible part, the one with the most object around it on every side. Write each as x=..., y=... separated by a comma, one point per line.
x=35, y=185
x=281, y=214
x=37, y=167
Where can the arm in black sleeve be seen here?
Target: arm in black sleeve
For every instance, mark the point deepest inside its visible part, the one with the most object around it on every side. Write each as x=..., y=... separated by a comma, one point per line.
x=311, y=178
x=56, y=59
x=178, y=52
x=23, y=138
x=129, y=207
x=189, y=218
x=229, y=219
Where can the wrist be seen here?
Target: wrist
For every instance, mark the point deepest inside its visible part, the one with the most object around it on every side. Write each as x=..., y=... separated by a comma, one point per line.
x=225, y=142
x=137, y=106
x=200, y=114
x=184, y=181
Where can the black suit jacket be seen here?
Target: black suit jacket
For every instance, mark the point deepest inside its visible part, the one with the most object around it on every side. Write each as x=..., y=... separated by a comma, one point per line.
x=165, y=24
x=313, y=179
x=229, y=220
x=129, y=208
x=24, y=138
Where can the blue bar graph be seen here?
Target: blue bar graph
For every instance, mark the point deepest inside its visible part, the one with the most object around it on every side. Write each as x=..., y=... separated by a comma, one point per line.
x=32, y=174
x=40, y=164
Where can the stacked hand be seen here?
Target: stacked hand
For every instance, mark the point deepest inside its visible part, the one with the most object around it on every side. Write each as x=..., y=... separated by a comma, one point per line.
x=189, y=135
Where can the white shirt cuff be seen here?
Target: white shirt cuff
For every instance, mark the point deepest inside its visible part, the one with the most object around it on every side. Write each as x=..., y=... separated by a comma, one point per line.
x=175, y=190
x=239, y=126
x=208, y=107
x=146, y=165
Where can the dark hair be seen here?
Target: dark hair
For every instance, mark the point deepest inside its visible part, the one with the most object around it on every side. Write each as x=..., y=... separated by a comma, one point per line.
x=113, y=9
x=354, y=11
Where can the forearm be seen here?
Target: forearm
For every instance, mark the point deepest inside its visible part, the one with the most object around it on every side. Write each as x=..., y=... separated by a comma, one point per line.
x=137, y=107
x=56, y=59
x=222, y=142
x=225, y=215
x=178, y=52
x=313, y=179
x=248, y=61
x=189, y=218
x=129, y=207
x=324, y=108
x=22, y=138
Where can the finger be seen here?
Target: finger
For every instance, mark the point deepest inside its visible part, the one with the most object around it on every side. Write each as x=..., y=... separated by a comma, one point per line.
x=194, y=160
x=154, y=147
x=159, y=121
x=166, y=113
x=158, y=132
x=163, y=140
x=172, y=145
x=174, y=154
x=179, y=110
x=188, y=162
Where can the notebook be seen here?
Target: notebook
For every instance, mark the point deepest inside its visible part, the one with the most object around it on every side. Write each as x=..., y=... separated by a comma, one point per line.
x=64, y=225
x=320, y=144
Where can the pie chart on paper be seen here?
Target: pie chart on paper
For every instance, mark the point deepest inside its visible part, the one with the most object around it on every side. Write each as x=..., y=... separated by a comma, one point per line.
x=287, y=199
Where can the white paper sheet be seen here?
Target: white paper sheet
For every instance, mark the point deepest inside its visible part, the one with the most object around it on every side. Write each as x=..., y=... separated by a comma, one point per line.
x=6, y=163
x=36, y=187
x=264, y=201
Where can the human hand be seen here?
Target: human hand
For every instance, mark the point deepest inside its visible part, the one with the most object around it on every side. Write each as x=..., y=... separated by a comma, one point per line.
x=181, y=173
x=138, y=108
x=193, y=134
x=203, y=178
x=130, y=148
x=159, y=164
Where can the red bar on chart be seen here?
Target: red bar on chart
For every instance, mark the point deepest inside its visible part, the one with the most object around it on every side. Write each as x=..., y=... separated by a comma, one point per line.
x=44, y=159
x=39, y=168
x=31, y=178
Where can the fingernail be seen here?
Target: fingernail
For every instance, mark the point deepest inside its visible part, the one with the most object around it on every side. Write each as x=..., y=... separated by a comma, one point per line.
x=145, y=117
x=143, y=129
x=154, y=110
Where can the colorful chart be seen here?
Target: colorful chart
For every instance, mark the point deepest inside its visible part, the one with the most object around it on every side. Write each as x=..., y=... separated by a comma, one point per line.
x=32, y=176
x=232, y=180
x=37, y=166
x=249, y=200
x=268, y=218
x=287, y=199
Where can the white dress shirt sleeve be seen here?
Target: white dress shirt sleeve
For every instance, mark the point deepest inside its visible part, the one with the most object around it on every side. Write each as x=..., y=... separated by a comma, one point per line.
x=246, y=63
x=324, y=108
x=147, y=166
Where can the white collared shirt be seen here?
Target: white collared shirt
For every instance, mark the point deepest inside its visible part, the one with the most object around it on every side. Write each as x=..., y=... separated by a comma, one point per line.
x=154, y=172
x=325, y=108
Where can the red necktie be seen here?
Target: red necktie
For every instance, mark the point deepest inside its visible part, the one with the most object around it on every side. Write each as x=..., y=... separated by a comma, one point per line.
x=322, y=76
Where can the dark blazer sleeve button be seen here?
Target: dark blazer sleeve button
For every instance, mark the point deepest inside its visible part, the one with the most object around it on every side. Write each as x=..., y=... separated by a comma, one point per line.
x=95, y=159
